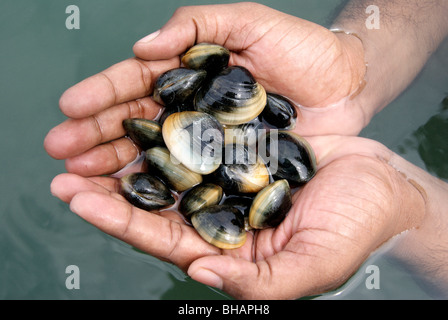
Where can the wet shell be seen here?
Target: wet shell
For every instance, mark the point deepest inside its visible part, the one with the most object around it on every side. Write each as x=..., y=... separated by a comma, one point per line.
x=170, y=170
x=246, y=133
x=196, y=139
x=177, y=86
x=221, y=226
x=210, y=57
x=173, y=109
x=242, y=171
x=242, y=203
x=270, y=205
x=145, y=191
x=289, y=156
x=233, y=96
x=279, y=112
x=199, y=197
x=145, y=133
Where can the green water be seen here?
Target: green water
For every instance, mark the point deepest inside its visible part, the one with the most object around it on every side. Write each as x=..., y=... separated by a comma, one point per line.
x=40, y=237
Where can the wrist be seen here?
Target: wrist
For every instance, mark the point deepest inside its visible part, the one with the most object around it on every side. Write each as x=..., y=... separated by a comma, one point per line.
x=353, y=49
x=423, y=249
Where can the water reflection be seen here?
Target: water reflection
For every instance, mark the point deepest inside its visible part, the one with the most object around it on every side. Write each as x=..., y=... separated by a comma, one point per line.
x=432, y=143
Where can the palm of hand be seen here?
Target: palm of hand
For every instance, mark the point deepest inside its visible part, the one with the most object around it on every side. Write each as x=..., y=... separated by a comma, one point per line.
x=344, y=213
x=336, y=220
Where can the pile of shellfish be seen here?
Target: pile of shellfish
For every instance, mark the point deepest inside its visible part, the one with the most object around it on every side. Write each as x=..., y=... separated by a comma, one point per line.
x=222, y=146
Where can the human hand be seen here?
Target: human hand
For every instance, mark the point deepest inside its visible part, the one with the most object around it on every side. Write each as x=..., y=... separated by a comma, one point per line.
x=288, y=55
x=356, y=202
x=301, y=60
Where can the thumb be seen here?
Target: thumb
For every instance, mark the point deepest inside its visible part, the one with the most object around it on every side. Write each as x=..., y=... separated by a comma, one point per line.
x=171, y=40
x=277, y=277
x=195, y=24
x=232, y=275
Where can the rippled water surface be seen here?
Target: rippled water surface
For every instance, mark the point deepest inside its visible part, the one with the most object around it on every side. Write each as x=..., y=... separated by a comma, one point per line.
x=40, y=237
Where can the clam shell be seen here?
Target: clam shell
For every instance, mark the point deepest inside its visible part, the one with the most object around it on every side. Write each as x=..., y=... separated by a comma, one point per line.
x=177, y=86
x=173, y=109
x=196, y=139
x=246, y=133
x=270, y=205
x=170, y=170
x=288, y=156
x=221, y=226
x=145, y=133
x=145, y=191
x=199, y=197
x=233, y=96
x=242, y=171
x=279, y=112
x=242, y=203
x=206, y=56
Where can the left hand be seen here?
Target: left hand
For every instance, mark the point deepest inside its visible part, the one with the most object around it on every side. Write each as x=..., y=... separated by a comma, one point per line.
x=356, y=202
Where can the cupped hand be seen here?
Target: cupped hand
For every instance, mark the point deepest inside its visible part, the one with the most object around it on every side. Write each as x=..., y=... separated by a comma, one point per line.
x=356, y=202
x=301, y=60
x=344, y=213
x=290, y=56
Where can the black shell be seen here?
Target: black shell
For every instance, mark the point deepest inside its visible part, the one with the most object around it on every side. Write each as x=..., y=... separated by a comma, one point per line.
x=247, y=133
x=279, y=112
x=206, y=56
x=271, y=205
x=145, y=133
x=241, y=171
x=199, y=197
x=221, y=226
x=145, y=191
x=232, y=96
x=289, y=156
x=177, y=86
x=164, y=165
x=173, y=109
x=242, y=203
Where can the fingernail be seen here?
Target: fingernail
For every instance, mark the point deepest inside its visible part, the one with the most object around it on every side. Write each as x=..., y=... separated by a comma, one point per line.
x=207, y=277
x=149, y=37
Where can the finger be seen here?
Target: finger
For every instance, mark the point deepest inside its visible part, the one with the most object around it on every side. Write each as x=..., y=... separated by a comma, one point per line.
x=329, y=148
x=66, y=185
x=125, y=81
x=195, y=24
x=106, y=158
x=166, y=239
x=75, y=136
x=282, y=276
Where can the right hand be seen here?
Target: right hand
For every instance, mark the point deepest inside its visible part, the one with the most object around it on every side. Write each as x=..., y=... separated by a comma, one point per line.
x=301, y=60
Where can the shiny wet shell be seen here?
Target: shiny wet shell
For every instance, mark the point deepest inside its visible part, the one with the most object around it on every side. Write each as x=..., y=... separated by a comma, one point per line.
x=233, y=96
x=289, y=156
x=177, y=86
x=210, y=57
x=221, y=226
x=242, y=170
x=196, y=139
x=199, y=197
x=161, y=163
x=271, y=205
x=145, y=133
x=279, y=112
x=145, y=191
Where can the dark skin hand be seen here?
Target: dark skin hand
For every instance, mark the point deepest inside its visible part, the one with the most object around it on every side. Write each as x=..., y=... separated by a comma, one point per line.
x=322, y=241
x=353, y=204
